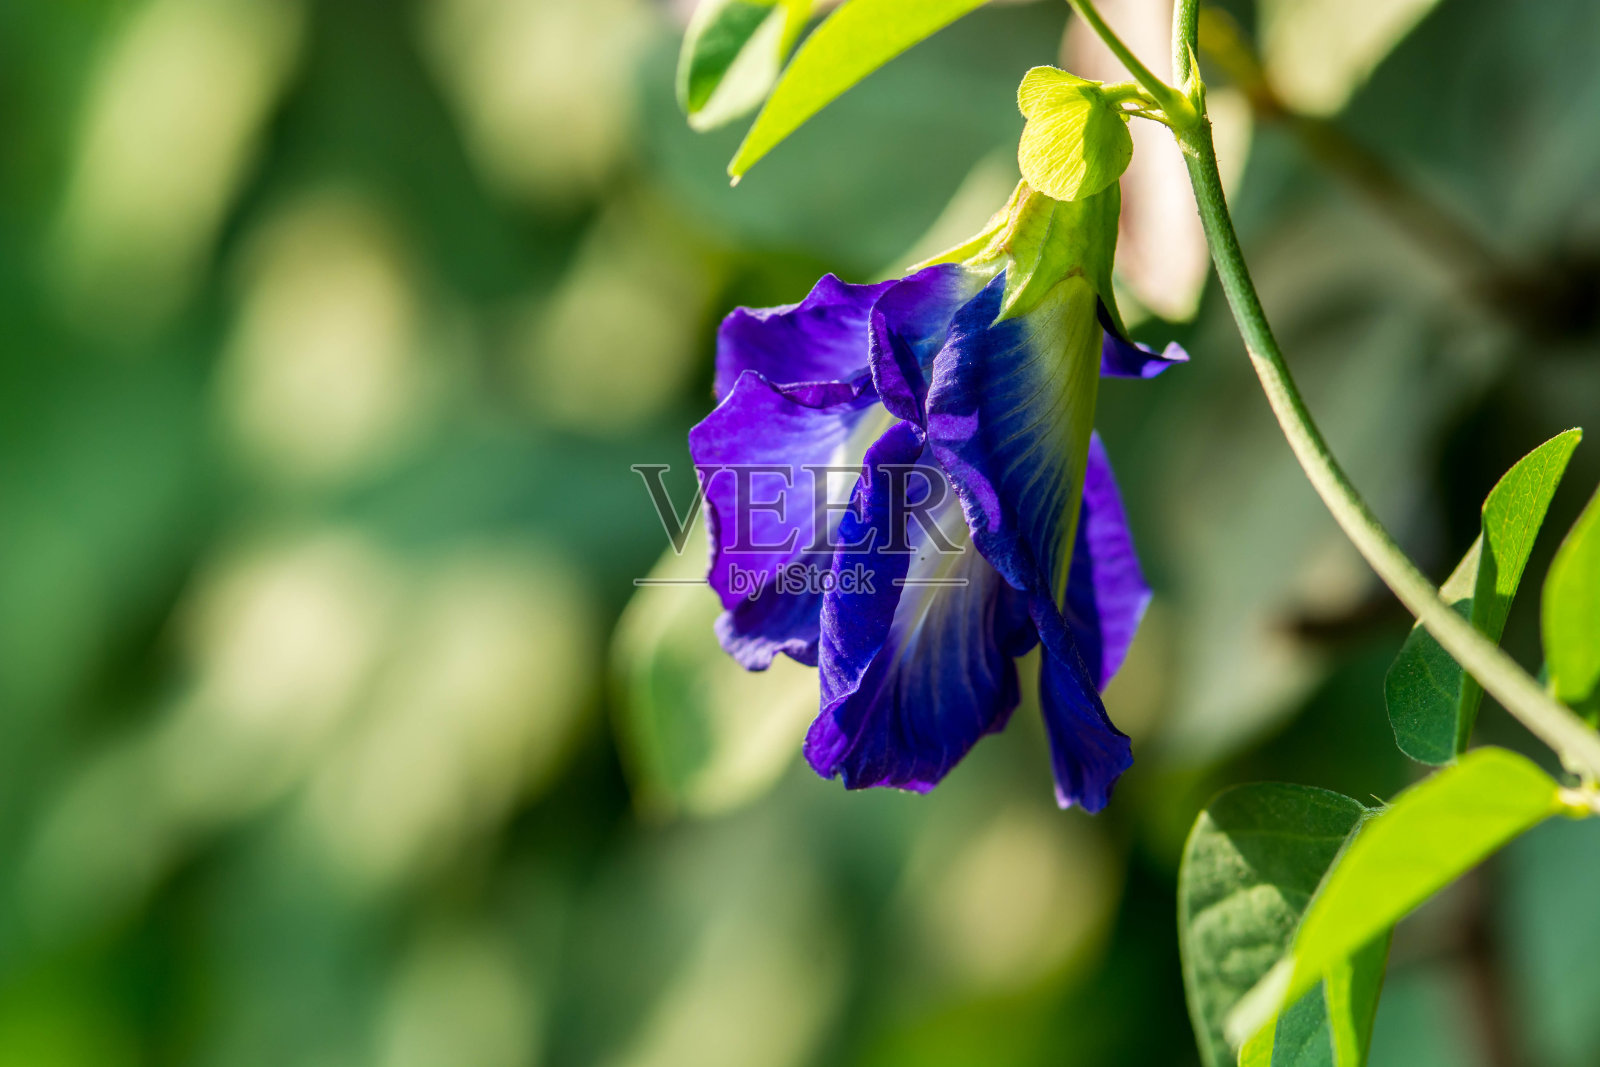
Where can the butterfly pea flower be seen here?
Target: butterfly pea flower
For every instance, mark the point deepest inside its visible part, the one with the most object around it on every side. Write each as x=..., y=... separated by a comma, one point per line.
x=960, y=510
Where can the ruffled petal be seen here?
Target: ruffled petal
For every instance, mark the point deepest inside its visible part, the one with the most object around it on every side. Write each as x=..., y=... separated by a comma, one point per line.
x=908, y=327
x=821, y=339
x=917, y=660
x=1122, y=358
x=780, y=429
x=1010, y=410
x=1087, y=753
x=1106, y=592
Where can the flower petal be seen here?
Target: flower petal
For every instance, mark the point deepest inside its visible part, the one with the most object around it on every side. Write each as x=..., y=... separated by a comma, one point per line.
x=1106, y=592
x=779, y=430
x=1009, y=416
x=917, y=662
x=908, y=327
x=1122, y=358
x=821, y=339
x=1087, y=753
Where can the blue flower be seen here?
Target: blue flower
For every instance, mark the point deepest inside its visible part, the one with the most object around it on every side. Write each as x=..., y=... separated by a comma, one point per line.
x=959, y=509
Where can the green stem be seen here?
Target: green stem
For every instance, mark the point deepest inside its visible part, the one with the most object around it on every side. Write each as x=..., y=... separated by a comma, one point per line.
x=1185, y=35
x=1498, y=673
x=1172, y=102
x=1553, y=723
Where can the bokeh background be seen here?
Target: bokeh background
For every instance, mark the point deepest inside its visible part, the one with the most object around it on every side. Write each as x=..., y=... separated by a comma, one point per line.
x=332, y=731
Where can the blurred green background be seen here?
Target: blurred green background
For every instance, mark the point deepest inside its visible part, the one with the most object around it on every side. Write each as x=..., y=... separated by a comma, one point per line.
x=328, y=332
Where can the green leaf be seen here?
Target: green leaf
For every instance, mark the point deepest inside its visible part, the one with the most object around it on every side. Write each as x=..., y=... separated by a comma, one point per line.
x=1252, y=863
x=732, y=52
x=1571, y=611
x=1075, y=142
x=698, y=733
x=1430, y=835
x=854, y=41
x=1432, y=702
x=1331, y=1026
x=1352, y=988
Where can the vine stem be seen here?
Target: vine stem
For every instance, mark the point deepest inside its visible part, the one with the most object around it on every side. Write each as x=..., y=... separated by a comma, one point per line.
x=1500, y=675
x=1185, y=39
x=1172, y=102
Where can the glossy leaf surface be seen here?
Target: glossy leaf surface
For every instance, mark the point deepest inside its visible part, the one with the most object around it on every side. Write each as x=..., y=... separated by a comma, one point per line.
x=1571, y=615
x=1252, y=863
x=1431, y=834
x=854, y=41
x=1432, y=702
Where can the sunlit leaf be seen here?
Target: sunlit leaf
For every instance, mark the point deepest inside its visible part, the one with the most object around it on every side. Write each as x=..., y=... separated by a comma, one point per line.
x=1253, y=860
x=732, y=52
x=1351, y=989
x=863, y=189
x=1332, y=1020
x=1075, y=143
x=1572, y=614
x=1432, y=701
x=1428, y=837
x=853, y=42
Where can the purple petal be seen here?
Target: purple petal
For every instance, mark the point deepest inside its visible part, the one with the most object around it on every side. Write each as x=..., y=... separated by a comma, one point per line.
x=1087, y=753
x=908, y=327
x=1122, y=358
x=821, y=339
x=1009, y=417
x=916, y=663
x=1106, y=592
x=783, y=429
